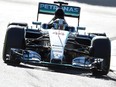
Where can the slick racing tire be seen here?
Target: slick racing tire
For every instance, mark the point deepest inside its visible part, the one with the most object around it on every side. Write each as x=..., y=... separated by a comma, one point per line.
x=101, y=48
x=14, y=39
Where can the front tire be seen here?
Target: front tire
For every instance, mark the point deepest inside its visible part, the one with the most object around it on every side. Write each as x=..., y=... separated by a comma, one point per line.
x=101, y=48
x=14, y=39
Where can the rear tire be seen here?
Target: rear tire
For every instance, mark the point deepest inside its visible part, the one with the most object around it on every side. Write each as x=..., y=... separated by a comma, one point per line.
x=14, y=39
x=101, y=48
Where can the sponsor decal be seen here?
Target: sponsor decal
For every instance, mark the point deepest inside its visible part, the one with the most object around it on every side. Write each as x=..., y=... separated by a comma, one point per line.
x=51, y=8
x=58, y=51
x=58, y=33
x=48, y=6
x=70, y=9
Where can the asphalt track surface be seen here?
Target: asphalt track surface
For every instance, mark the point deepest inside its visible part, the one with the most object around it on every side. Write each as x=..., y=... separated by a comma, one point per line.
x=95, y=18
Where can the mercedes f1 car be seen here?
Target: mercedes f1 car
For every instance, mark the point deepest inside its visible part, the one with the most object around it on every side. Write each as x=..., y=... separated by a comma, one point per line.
x=56, y=42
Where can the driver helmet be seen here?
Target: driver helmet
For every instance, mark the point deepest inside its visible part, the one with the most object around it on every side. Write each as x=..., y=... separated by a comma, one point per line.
x=60, y=24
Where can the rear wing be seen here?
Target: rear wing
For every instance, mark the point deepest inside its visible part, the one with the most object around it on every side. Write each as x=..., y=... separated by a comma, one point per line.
x=47, y=8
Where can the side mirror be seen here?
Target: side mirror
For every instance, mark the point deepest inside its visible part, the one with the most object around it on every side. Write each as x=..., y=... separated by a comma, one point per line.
x=81, y=28
x=36, y=23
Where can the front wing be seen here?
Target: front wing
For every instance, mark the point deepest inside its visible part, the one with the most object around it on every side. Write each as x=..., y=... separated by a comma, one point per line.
x=33, y=58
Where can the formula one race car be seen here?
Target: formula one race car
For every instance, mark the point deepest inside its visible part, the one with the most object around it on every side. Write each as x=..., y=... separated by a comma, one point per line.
x=56, y=42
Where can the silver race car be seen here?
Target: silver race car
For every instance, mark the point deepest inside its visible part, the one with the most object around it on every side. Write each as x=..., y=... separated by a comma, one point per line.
x=56, y=42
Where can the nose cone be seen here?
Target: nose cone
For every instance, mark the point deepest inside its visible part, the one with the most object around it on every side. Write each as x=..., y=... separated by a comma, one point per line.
x=58, y=61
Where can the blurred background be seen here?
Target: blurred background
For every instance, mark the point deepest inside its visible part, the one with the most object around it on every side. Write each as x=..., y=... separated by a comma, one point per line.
x=111, y=3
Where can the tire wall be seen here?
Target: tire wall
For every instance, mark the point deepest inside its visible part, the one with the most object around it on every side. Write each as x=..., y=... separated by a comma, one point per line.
x=101, y=48
x=15, y=37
